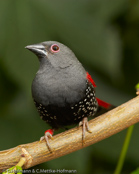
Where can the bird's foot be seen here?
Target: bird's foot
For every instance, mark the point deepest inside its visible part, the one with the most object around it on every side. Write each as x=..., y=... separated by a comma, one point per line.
x=85, y=127
x=48, y=134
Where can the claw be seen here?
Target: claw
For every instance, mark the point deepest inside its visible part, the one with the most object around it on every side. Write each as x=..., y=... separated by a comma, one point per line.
x=85, y=126
x=48, y=134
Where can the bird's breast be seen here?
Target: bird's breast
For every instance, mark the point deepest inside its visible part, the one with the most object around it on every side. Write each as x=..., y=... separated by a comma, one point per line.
x=58, y=89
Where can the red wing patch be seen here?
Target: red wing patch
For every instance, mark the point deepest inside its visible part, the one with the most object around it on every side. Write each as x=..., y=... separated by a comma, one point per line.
x=89, y=78
x=101, y=103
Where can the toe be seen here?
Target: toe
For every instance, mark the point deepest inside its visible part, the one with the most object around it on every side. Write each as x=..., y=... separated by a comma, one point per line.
x=42, y=138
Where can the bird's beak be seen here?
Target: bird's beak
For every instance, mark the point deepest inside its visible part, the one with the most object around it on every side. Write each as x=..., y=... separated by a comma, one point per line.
x=38, y=49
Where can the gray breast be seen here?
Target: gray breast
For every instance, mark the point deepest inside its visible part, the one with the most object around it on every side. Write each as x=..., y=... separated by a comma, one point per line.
x=58, y=88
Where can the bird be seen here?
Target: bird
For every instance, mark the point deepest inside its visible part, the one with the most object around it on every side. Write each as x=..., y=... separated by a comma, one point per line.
x=62, y=90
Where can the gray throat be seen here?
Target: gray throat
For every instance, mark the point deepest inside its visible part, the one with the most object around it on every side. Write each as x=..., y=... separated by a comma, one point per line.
x=59, y=86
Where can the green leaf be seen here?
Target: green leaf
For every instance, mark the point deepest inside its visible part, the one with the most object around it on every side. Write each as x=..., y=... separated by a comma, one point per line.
x=9, y=171
x=13, y=170
x=137, y=86
x=19, y=169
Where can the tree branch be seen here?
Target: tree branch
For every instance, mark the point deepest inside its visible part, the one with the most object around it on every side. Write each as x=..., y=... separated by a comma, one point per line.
x=69, y=141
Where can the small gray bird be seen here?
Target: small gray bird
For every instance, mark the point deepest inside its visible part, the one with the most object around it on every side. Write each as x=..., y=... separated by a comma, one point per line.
x=62, y=90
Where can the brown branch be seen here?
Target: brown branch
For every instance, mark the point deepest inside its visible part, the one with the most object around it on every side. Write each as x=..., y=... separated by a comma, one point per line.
x=69, y=141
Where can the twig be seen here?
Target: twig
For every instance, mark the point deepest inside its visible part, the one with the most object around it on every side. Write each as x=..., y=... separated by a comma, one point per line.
x=21, y=162
x=69, y=141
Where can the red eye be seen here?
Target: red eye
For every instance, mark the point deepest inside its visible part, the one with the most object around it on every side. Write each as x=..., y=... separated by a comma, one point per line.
x=55, y=48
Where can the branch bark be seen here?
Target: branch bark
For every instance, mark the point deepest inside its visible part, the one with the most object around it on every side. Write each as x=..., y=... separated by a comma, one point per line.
x=69, y=141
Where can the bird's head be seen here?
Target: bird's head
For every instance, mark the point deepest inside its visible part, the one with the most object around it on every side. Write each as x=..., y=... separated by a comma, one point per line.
x=54, y=53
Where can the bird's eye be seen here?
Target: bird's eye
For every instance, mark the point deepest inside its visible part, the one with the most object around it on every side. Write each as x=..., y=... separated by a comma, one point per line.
x=55, y=48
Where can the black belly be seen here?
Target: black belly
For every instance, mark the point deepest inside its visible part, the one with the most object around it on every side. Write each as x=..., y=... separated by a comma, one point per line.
x=58, y=117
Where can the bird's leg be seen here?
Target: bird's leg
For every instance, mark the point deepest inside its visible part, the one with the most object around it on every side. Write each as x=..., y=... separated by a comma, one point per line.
x=48, y=134
x=85, y=126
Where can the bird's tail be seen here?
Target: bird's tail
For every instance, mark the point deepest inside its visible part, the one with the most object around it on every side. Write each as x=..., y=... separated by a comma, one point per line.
x=103, y=107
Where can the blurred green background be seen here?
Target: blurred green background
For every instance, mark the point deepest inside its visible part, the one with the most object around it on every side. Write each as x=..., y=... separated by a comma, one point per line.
x=104, y=35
